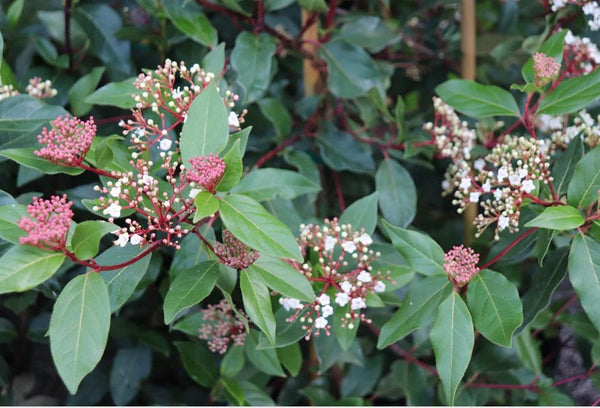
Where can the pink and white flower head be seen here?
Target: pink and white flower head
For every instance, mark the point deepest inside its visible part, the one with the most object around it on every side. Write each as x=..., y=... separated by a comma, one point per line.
x=223, y=327
x=341, y=274
x=47, y=223
x=68, y=141
x=235, y=253
x=206, y=171
x=460, y=264
x=545, y=69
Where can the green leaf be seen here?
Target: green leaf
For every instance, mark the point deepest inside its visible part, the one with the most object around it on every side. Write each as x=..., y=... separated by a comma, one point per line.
x=79, y=328
x=190, y=20
x=268, y=183
x=13, y=14
x=313, y=5
x=360, y=380
x=495, y=306
x=130, y=368
x=563, y=169
x=232, y=362
x=82, y=89
x=584, y=273
x=528, y=350
x=264, y=359
x=290, y=357
x=278, y=115
x=397, y=193
x=421, y=252
x=351, y=70
x=100, y=22
x=584, y=186
x=344, y=335
x=26, y=157
x=22, y=118
x=477, y=100
x=559, y=218
x=369, y=32
x=452, y=339
x=233, y=168
x=117, y=94
x=255, y=227
x=362, y=214
x=198, y=362
x=10, y=215
x=48, y=52
x=282, y=277
x=206, y=129
x=257, y=304
x=252, y=58
x=24, y=267
x=421, y=300
x=121, y=283
x=214, y=61
x=190, y=286
x=553, y=47
x=340, y=151
x=87, y=236
x=234, y=390
x=206, y=205
x=571, y=95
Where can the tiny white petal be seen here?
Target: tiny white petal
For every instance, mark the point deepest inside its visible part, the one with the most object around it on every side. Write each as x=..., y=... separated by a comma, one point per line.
x=323, y=300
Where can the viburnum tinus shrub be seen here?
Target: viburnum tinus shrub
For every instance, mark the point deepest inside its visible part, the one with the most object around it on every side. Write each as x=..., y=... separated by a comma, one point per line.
x=169, y=265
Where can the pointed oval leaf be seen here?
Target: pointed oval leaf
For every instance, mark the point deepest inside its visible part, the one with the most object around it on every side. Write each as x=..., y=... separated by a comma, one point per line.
x=495, y=306
x=79, y=328
x=265, y=184
x=257, y=304
x=24, y=267
x=282, y=277
x=206, y=205
x=397, y=193
x=206, y=129
x=190, y=287
x=131, y=366
x=362, y=214
x=255, y=227
x=233, y=168
x=559, y=218
x=584, y=273
x=25, y=156
x=584, y=186
x=452, y=339
x=87, y=236
x=82, y=89
x=477, y=100
x=189, y=19
x=10, y=214
x=571, y=95
x=198, y=362
x=117, y=94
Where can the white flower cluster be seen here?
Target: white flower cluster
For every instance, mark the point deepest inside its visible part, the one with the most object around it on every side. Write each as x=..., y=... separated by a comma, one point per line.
x=581, y=54
x=593, y=10
x=583, y=125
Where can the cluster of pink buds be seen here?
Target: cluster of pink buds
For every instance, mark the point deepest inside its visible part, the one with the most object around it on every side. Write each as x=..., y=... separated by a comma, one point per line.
x=223, y=329
x=234, y=253
x=460, y=264
x=38, y=88
x=206, y=171
x=68, y=141
x=48, y=222
x=546, y=69
x=342, y=274
x=164, y=207
x=168, y=92
x=6, y=91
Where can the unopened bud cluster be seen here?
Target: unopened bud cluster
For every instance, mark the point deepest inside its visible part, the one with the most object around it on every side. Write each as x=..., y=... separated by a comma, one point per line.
x=223, y=327
x=545, y=69
x=47, y=223
x=68, y=141
x=37, y=87
x=234, y=253
x=341, y=274
x=206, y=171
x=583, y=125
x=460, y=265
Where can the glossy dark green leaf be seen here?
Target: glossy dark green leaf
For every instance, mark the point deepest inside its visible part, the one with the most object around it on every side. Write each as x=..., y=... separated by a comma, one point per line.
x=528, y=350
x=477, y=100
x=571, y=95
x=563, y=168
x=206, y=205
x=278, y=115
x=233, y=168
x=360, y=380
x=362, y=213
x=369, y=32
x=345, y=335
x=189, y=19
x=233, y=362
x=495, y=306
x=87, y=236
x=82, y=89
x=257, y=304
x=10, y=215
x=233, y=390
x=255, y=227
x=198, y=362
x=340, y=151
x=559, y=218
x=206, y=130
x=264, y=359
x=191, y=286
x=25, y=156
x=584, y=186
x=452, y=339
x=79, y=328
x=255, y=396
x=397, y=193
x=420, y=302
x=584, y=273
x=252, y=58
x=313, y=5
x=214, y=61
x=117, y=94
x=48, y=52
x=290, y=357
x=282, y=278
x=268, y=183
x=24, y=267
x=131, y=366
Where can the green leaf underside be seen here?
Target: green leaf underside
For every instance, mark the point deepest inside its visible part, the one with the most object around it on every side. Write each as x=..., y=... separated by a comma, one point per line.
x=206, y=205
x=495, y=306
x=24, y=267
x=362, y=213
x=79, y=328
x=268, y=183
x=584, y=273
x=26, y=157
x=190, y=286
x=117, y=94
x=257, y=304
x=255, y=227
x=477, y=100
x=452, y=339
x=559, y=218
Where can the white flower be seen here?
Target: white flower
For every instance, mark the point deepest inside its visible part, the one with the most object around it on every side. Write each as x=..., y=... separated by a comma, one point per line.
x=320, y=322
x=514, y=179
x=364, y=276
x=290, y=303
x=147, y=180
x=502, y=222
x=502, y=173
x=177, y=93
x=465, y=183
x=342, y=299
x=528, y=186
x=497, y=194
x=194, y=192
x=123, y=239
x=135, y=239
x=326, y=311
x=115, y=191
x=445, y=185
x=479, y=164
x=346, y=286
x=329, y=243
x=233, y=120
x=358, y=303
x=379, y=287
x=365, y=239
x=474, y=196
x=486, y=186
x=349, y=246
x=113, y=210
x=323, y=300
x=165, y=144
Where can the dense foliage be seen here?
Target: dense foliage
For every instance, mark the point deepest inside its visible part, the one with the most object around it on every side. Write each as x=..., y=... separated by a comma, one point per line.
x=258, y=202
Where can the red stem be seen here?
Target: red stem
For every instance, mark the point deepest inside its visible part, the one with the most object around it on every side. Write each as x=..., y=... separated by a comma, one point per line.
x=338, y=189
x=272, y=153
x=508, y=248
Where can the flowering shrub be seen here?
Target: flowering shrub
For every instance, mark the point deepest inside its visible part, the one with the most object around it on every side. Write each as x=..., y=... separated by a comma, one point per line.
x=316, y=211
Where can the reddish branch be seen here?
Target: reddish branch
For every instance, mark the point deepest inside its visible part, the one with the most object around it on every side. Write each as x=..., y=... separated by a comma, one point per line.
x=508, y=248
